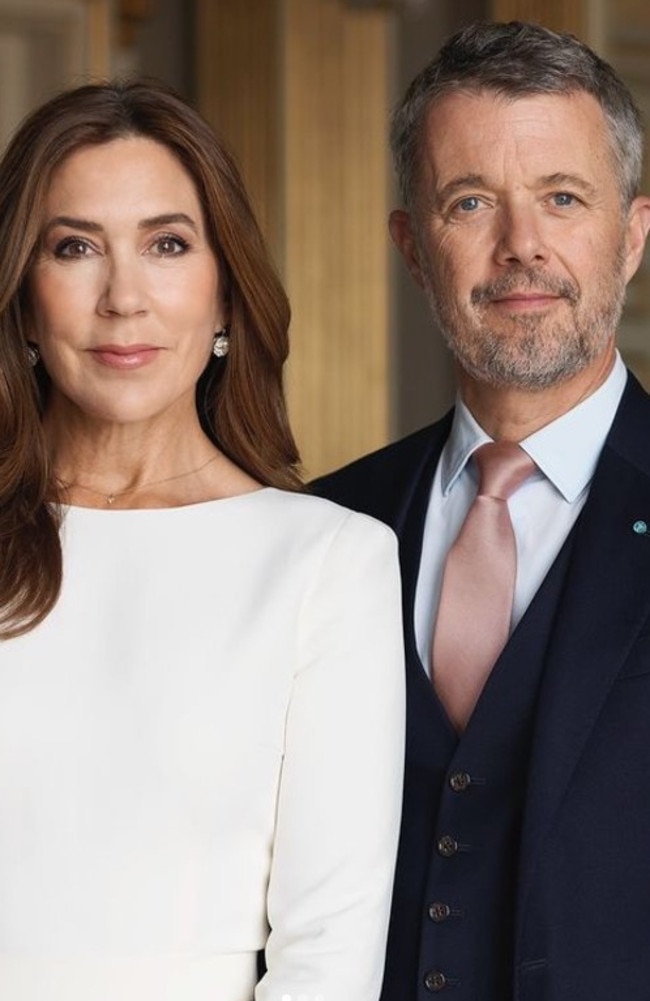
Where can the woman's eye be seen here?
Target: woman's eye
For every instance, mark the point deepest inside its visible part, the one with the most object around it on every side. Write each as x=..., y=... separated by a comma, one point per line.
x=72, y=246
x=169, y=246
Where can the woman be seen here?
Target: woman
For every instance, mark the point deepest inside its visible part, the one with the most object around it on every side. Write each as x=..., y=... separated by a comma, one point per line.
x=200, y=679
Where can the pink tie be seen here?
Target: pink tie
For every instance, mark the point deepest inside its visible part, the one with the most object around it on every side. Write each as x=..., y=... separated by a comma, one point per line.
x=478, y=584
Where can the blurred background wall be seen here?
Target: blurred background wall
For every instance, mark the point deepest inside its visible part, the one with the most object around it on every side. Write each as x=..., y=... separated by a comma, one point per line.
x=301, y=90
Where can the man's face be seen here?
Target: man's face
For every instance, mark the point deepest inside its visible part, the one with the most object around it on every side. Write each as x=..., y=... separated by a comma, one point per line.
x=519, y=236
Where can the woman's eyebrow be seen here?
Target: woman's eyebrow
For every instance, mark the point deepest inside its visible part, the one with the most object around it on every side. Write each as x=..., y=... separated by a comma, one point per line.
x=165, y=219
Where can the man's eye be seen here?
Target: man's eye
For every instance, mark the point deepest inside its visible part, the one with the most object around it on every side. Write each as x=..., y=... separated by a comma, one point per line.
x=563, y=199
x=469, y=204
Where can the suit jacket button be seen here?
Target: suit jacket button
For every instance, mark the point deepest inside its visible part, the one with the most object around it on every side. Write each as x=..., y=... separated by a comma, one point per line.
x=447, y=846
x=435, y=981
x=460, y=781
x=439, y=912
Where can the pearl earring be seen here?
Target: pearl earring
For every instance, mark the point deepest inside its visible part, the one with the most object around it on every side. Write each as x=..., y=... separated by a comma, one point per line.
x=221, y=344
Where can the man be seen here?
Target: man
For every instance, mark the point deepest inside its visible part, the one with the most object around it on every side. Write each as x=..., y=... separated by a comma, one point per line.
x=524, y=863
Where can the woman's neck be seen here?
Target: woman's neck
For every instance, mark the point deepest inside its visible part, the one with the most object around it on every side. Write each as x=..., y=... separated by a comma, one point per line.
x=160, y=464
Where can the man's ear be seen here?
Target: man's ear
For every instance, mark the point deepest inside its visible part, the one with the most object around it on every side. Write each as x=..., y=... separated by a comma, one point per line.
x=402, y=232
x=638, y=225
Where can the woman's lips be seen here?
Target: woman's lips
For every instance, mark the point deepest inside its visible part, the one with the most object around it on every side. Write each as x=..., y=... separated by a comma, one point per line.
x=125, y=357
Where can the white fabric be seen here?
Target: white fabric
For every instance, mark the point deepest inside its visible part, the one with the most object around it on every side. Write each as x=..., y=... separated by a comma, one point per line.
x=205, y=734
x=543, y=510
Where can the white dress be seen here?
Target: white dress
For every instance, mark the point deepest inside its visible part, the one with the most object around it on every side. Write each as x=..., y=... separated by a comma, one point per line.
x=204, y=740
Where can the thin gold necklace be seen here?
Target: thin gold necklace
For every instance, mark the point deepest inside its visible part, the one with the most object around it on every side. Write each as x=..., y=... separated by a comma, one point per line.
x=111, y=498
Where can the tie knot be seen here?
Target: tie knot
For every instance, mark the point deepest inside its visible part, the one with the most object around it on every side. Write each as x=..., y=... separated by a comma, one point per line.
x=503, y=466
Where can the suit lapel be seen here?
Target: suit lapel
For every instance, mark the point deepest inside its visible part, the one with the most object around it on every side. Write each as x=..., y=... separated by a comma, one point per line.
x=409, y=526
x=409, y=517
x=406, y=496
x=604, y=604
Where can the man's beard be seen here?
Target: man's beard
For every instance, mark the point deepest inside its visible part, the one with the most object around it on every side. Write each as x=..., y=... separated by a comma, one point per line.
x=528, y=350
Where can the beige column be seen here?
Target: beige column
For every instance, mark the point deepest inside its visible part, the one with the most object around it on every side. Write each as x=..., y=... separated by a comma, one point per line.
x=299, y=91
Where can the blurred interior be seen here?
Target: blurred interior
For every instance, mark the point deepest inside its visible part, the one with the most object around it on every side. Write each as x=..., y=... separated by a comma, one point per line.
x=301, y=91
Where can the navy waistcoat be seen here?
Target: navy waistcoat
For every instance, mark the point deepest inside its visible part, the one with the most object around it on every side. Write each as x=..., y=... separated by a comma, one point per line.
x=457, y=892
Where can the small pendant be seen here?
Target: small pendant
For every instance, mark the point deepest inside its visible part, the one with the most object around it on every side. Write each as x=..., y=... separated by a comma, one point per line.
x=110, y=498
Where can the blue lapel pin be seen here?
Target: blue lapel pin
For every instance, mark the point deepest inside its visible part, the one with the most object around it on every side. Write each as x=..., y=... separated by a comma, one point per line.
x=640, y=527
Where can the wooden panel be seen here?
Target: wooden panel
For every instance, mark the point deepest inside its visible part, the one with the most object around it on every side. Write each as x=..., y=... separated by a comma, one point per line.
x=299, y=91
x=238, y=83
x=101, y=37
x=336, y=239
x=132, y=13
x=559, y=15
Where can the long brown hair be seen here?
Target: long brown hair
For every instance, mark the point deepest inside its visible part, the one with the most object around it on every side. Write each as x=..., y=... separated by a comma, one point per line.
x=240, y=399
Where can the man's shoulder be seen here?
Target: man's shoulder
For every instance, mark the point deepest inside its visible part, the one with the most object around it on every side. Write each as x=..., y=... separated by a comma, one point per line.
x=365, y=483
x=629, y=432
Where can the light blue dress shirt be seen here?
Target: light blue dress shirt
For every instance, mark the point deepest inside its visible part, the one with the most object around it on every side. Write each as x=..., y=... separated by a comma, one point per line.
x=543, y=510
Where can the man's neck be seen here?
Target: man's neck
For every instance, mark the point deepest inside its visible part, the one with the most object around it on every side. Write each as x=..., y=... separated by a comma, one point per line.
x=512, y=414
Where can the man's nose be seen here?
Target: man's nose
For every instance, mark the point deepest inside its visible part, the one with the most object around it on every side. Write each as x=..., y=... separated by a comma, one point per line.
x=521, y=239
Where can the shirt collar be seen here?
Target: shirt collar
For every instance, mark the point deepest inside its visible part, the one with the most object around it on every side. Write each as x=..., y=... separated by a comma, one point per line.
x=465, y=437
x=566, y=450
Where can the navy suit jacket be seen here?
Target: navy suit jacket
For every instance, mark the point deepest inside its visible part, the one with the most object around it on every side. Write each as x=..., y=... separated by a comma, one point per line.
x=582, y=922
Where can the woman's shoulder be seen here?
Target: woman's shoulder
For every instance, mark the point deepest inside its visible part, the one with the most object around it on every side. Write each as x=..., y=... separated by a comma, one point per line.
x=307, y=510
x=263, y=519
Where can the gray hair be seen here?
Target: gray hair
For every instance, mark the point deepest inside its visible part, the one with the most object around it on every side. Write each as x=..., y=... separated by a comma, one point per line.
x=515, y=60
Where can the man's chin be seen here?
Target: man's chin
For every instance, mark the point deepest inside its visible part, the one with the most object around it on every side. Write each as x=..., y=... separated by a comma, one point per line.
x=530, y=374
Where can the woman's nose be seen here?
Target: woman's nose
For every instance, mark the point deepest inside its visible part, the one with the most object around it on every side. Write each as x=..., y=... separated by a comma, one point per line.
x=123, y=292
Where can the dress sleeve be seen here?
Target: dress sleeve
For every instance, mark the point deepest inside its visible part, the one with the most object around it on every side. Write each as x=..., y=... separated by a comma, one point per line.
x=340, y=794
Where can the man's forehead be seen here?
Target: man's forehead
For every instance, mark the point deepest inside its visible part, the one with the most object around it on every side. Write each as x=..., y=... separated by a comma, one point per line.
x=468, y=132
x=487, y=102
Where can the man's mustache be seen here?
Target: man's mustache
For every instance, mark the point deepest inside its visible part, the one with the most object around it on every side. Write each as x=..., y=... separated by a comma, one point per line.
x=524, y=280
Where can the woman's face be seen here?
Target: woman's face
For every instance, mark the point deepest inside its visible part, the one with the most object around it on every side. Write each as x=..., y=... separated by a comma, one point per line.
x=125, y=294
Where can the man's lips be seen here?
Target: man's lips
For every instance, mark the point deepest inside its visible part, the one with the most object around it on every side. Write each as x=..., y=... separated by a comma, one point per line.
x=526, y=300
x=125, y=356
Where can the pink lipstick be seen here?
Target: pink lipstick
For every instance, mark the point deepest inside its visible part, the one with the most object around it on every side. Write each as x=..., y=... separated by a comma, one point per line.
x=125, y=357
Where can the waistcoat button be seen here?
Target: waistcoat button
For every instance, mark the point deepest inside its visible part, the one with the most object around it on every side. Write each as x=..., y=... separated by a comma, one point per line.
x=460, y=781
x=439, y=912
x=447, y=846
x=435, y=981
